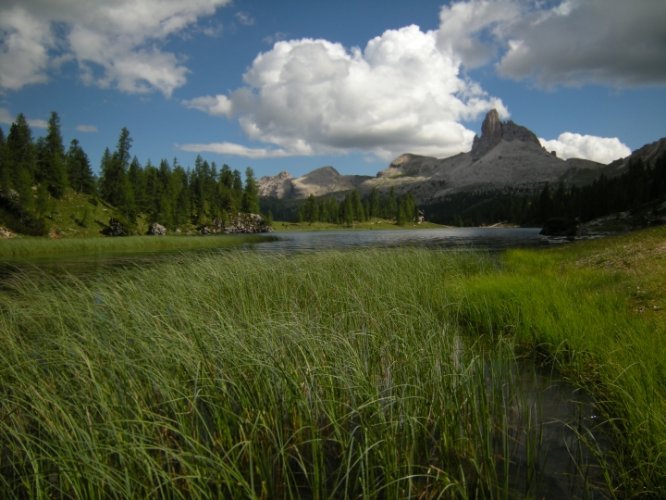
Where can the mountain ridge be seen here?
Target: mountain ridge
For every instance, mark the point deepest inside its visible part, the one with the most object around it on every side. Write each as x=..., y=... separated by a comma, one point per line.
x=504, y=155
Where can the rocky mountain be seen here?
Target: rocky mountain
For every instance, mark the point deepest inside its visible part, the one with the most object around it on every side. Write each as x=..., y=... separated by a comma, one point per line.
x=319, y=182
x=504, y=155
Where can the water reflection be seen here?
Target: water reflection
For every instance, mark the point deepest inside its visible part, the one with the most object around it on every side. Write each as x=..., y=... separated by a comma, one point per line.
x=443, y=238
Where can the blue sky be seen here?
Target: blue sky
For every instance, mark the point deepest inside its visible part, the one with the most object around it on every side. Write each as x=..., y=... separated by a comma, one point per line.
x=297, y=84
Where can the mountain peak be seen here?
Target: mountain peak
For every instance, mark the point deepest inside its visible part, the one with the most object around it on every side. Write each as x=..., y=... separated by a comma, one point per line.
x=493, y=131
x=492, y=125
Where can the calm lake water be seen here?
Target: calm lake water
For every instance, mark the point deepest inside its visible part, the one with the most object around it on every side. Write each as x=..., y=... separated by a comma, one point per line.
x=484, y=238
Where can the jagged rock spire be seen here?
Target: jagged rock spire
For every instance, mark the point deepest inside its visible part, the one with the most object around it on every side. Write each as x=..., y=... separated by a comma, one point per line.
x=493, y=130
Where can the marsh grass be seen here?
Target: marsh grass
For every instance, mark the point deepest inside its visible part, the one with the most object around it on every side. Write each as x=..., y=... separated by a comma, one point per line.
x=577, y=308
x=328, y=375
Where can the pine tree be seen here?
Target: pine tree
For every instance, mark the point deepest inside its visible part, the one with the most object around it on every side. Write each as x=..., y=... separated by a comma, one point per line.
x=401, y=216
x=250, y=200
x=391, y=208
x=79, y=173
x=52, y=166
x=237, y=189
x=137, y=183
x=544, y=205
x=5, y=174
x=357, y=206
x=309, y=210
x=114, y=184
x=20, y=157
x=43, y=203
x=181, y=192
x=347, y=211
x=374, y=210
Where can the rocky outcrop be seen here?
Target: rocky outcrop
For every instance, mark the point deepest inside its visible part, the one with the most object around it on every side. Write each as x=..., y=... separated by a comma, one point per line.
x=247, y=223
x=240, y=223
x=5, y=233
x=505, y=155
x=493, y=131
x=115, y=228
x=319, y=182
x=156, y=229
x=278, y=186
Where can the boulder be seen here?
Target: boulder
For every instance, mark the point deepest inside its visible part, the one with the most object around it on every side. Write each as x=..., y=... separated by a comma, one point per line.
x=115, y=228
x=5, y=233
x=156, y=229
x=247, y=223
x=560, y=226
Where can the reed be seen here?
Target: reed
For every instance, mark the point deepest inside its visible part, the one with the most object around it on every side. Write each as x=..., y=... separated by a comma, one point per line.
x=595, y=312
x=370, y=374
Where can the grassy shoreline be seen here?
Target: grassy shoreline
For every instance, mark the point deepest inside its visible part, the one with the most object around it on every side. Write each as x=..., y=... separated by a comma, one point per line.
x=27, y=248
x=333, y=374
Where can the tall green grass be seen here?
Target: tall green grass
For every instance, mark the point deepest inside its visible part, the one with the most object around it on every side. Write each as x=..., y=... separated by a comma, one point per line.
x=576, y=308
x=328, y=375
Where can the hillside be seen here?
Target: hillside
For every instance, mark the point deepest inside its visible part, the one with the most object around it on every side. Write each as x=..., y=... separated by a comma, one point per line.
x=75, y=214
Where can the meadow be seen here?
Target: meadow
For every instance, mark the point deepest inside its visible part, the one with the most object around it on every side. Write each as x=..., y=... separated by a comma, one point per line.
x=369, y=373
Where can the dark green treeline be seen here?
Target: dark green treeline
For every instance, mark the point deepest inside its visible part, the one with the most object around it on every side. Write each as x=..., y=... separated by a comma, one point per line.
x=641, y=185
x=35, y=173
x=637, y=189
x=354, y=208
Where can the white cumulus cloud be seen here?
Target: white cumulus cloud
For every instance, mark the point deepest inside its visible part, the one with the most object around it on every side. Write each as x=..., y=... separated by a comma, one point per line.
x=219, y=105
x=402, y=92
x=86, y=129
x=568, y=42
x=469, y=30
x=116, y=43
x=230, y=148
x=589, y=147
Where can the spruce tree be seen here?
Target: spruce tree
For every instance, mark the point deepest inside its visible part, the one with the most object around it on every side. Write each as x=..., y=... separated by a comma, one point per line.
x=137, y=183
x=250, y=200
x=357, y=206
x=79, y=173
x=114, y=184
x=374, y=208
x=52, y=166
x=391, y=208
x=237, y=189
x=5, y=174
x=20, y=157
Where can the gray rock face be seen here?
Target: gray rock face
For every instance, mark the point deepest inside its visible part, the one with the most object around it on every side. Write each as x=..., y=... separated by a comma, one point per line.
x=247, y=223
x=156, y=229
x=324, y=180
x=493, y=131
x=278, y=186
